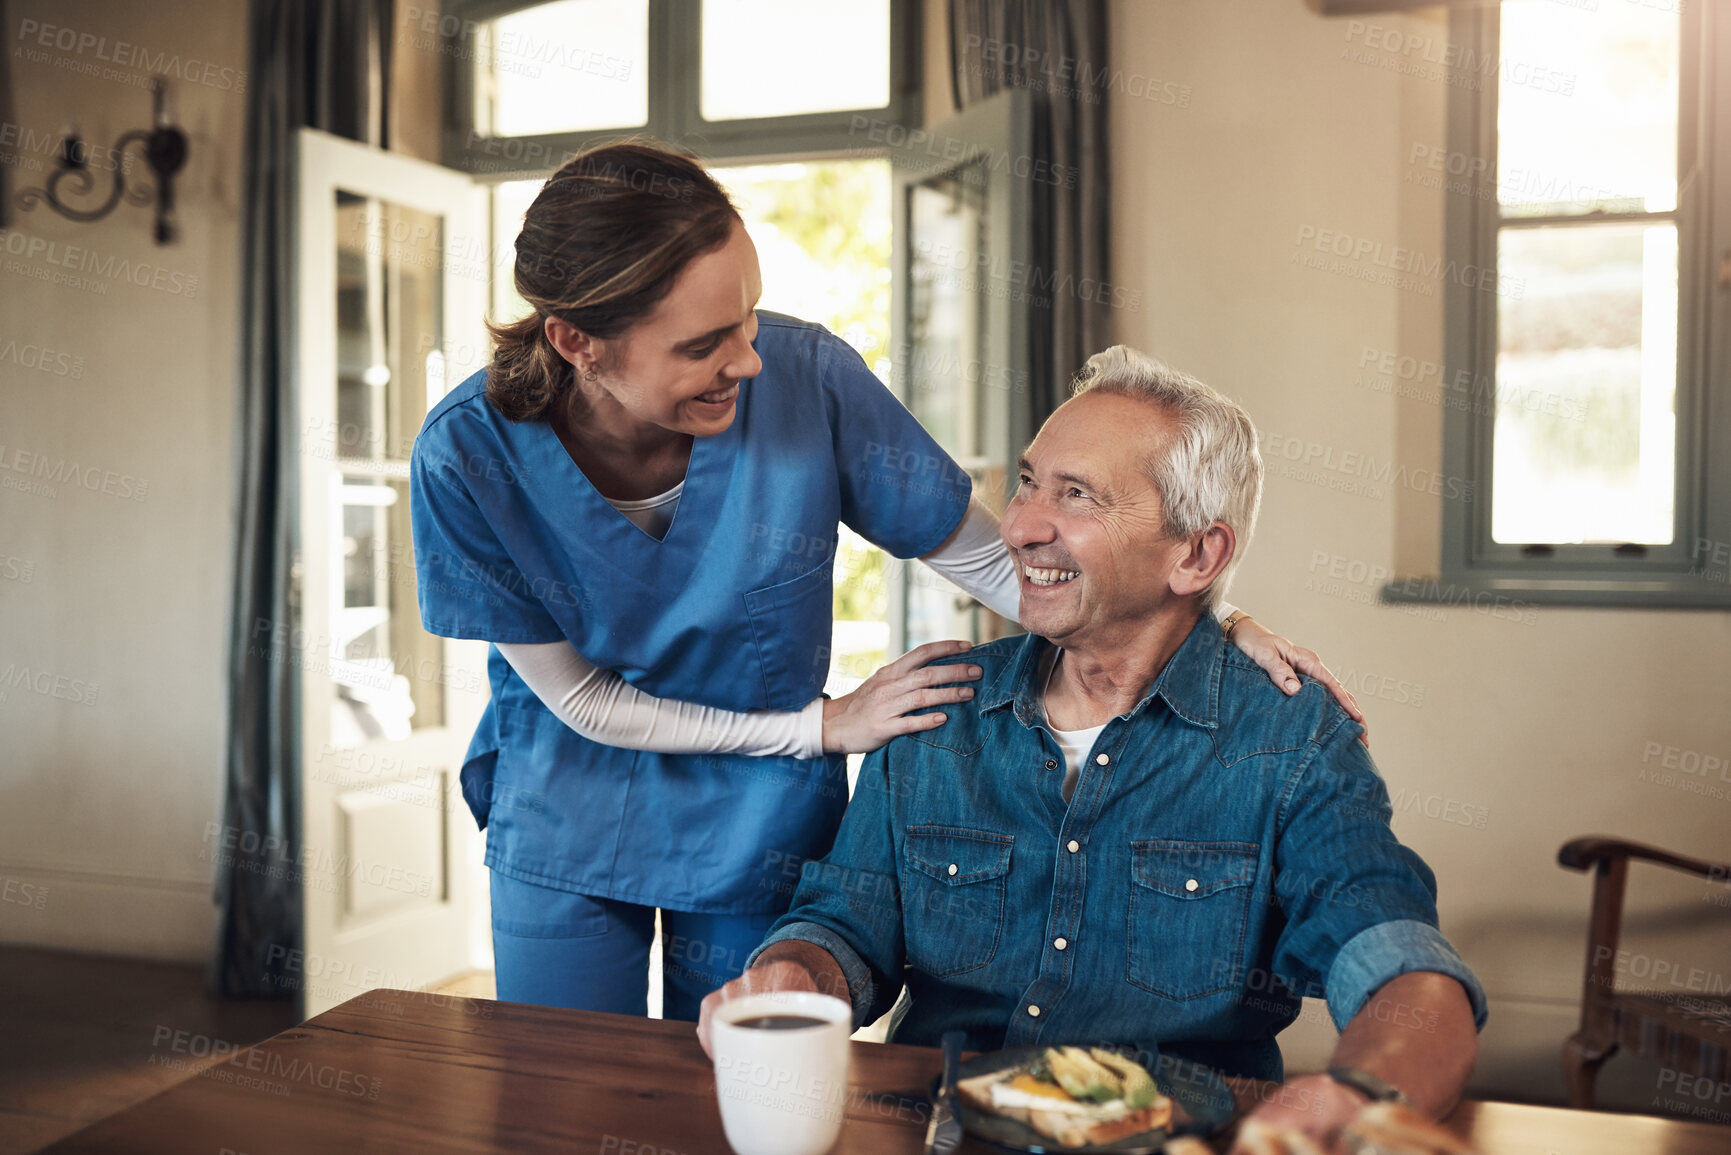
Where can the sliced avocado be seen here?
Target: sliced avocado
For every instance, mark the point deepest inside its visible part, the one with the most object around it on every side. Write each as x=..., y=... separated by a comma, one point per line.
x=1101, y=1083
x=1067, y=1073
x=1139, y=1088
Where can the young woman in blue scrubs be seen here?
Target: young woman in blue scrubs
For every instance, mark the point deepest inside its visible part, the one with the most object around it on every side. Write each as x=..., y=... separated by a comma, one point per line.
x=637, y=503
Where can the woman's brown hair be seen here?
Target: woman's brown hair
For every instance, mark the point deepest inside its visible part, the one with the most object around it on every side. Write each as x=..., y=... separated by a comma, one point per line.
x=601, y=245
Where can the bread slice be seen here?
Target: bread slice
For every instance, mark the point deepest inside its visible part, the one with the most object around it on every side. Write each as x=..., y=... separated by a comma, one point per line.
x=1070, y=1130
x=1157, y=1114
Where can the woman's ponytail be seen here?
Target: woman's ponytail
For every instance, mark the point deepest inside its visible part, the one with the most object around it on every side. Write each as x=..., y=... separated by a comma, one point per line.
x=526, y=373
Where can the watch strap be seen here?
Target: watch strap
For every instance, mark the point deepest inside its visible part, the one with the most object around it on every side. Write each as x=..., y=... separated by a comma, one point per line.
x=1378, y=1090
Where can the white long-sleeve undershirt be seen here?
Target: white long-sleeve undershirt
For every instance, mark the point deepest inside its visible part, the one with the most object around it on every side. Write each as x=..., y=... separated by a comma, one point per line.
x=974, y=557
x=603, y=707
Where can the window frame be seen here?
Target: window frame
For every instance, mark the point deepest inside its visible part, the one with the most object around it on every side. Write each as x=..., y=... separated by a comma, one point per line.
x=1677, y=575
x=675, y=114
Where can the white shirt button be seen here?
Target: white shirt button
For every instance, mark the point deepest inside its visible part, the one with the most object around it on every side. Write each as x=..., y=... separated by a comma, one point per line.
x=1060, y=943
x=953, y=870
x=1191, y=885
x=1074, y=846
x=1033, y=1011
x=1101, y=759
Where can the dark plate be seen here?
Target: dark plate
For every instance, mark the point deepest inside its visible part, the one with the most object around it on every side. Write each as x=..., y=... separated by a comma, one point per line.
x=1202, y=1104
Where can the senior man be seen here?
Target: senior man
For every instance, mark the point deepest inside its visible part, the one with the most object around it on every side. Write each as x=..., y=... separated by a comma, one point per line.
x=1130, y=834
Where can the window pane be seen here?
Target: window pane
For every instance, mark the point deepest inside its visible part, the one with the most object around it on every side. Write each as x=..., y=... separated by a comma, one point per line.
x=1586, y=375
x=822, y=231
x=948, y=339
x=511, y=200
x=564, y=67
x=387, y=672
x=1587, y=107
x=390, y=317
x=948, y=311
x=783, y=57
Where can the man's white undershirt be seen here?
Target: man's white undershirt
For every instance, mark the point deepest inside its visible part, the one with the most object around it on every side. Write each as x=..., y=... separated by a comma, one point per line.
x=1074, y=743
x=603, y=707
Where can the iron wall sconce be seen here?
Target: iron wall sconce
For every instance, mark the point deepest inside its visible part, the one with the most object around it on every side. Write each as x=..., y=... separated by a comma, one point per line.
x=165, y=149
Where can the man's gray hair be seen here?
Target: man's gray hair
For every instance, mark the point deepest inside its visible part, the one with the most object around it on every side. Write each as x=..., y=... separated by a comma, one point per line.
x=1211, y=471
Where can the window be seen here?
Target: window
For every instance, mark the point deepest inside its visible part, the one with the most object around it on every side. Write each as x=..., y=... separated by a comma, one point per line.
x=728, y=79
x=765, y=58
x=800, y=90
x=1596, y=438
x=570, y=66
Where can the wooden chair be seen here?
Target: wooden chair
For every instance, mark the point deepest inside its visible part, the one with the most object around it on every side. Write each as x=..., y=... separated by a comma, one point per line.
x=1688, y=1030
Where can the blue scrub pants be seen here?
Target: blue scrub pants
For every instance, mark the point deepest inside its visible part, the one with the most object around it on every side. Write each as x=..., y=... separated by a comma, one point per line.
x=560, y=949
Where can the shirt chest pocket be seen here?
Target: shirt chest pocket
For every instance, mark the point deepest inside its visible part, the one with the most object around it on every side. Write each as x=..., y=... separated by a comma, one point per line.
x=790, y=624
x=1189, y=913
x=953, y=897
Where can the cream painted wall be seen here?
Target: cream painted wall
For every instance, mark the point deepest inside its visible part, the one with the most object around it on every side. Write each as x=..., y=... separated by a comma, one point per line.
x=1537, y=725
x=103, y=804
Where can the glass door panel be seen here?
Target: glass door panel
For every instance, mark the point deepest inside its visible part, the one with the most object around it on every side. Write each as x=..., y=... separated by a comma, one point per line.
x=947, y=330
x=390, y=325
x=390, y=337
x=961, y=334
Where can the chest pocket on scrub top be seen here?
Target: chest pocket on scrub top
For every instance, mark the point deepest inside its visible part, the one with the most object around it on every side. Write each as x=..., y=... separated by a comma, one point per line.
x=786, y=620
x=1189, y=905
x=953, y=897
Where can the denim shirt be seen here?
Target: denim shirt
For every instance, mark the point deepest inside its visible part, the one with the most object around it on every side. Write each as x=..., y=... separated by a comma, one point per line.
x=1226, y=851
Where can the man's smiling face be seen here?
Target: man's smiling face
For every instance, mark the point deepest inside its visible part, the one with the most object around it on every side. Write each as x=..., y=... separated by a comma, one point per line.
x=1085, y=527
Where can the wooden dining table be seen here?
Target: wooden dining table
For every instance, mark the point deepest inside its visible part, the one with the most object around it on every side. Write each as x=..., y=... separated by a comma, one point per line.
x=400, y=1071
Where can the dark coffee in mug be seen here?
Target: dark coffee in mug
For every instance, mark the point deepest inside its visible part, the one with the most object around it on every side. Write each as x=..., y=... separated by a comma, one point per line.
x=780, y=1022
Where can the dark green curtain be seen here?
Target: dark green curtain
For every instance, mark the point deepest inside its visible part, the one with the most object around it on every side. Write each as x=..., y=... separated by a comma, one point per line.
x=323, y=64
x=1057, y=50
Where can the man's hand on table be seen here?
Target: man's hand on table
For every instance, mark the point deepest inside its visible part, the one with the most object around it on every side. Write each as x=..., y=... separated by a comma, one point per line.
x=1314, y=1106
x=784, y=966
x=1415, y=1032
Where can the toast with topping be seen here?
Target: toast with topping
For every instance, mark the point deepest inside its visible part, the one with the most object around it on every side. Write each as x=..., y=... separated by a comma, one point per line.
x=1075, y=1096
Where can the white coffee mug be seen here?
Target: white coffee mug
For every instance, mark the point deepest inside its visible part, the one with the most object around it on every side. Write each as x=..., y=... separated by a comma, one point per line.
x=782, y=1091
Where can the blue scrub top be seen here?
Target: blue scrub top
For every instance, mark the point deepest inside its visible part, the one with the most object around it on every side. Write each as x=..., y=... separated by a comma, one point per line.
x=731, y=609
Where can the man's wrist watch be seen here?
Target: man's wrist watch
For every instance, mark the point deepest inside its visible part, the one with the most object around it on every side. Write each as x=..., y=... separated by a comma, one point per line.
x=1367, y=1084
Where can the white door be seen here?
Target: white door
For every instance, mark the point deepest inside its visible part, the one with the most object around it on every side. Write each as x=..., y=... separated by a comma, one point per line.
x=962, y=317
x=389, y=867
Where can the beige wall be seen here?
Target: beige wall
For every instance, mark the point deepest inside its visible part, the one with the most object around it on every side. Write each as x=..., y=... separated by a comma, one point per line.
x=103, y=804
x=123, y=596
x=1538, y=726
